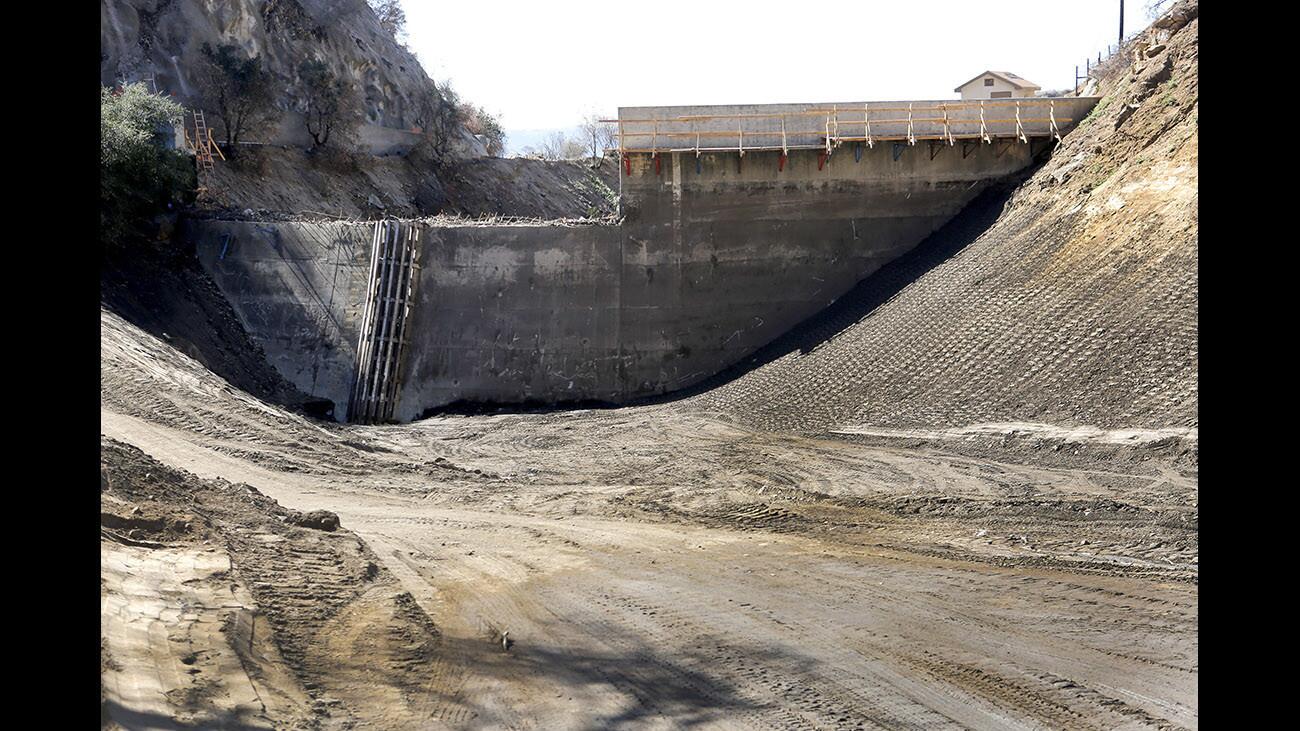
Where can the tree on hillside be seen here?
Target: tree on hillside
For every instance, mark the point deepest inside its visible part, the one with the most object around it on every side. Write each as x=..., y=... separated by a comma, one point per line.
x=1156, y=8
x=597, y=137
x=573, y=149
x=439, y=119
x=330, y=105
x=559, y=146
x=479, y=122
x=138, y=176
x=391, y=16
x=551, y=146
x=237, y=89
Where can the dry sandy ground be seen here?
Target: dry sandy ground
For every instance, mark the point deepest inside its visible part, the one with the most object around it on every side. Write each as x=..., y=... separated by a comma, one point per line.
x=653, y=568
x=926, y=509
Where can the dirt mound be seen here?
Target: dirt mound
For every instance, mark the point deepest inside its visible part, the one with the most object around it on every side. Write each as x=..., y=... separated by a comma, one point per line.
x=318, y=519
x=1072, y=300
x=533, y=188
x=268, y=181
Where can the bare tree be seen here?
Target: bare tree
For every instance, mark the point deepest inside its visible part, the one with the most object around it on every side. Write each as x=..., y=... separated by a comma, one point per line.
x=597, y=137
x=331, y=105
x=439, y=119
x=391, y=17
x=237, y=88
x=552, y=147
x=573, y=149
x=559, y=146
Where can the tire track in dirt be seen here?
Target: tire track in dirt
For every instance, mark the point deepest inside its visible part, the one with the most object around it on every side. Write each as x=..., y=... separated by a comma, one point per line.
x=618, y=547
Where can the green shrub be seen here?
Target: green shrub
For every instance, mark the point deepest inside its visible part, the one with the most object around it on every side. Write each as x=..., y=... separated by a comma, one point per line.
x=138, y=177
x=479, y=122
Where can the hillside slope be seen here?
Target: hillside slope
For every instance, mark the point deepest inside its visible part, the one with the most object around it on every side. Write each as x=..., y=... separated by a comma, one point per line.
x=143, y=37
x=290, y=181
x=1072, y=300
x=380, y=170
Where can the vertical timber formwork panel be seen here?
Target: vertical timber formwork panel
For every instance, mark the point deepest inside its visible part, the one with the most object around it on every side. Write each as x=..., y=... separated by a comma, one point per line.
x=385, y=296
x=361, y=368
x=408, y=279
x=381, y=348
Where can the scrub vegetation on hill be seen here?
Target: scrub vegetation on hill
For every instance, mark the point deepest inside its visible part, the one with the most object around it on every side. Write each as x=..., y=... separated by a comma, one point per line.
x=139, y=178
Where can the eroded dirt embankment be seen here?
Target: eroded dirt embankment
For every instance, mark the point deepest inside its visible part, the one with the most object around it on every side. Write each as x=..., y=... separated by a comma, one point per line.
x=162, y=289
x=280, y=182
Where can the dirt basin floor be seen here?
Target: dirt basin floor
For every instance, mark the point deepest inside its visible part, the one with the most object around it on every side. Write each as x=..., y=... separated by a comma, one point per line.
x=655, y=568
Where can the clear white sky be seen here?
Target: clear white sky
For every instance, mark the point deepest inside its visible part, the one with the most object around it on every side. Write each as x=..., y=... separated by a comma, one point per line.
x=545, y=64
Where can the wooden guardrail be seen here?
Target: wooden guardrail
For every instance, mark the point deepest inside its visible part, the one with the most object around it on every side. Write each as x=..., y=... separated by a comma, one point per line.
x=827, y=127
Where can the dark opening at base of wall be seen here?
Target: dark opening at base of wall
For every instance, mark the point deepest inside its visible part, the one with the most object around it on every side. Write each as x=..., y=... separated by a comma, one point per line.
x=527, y=406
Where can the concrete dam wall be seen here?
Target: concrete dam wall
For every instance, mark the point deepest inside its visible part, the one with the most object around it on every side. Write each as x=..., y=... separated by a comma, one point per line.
x=715, y=256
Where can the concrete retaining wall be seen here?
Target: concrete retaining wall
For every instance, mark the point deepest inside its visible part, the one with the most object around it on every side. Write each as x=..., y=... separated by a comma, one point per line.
x=714, y=259
x=513, y=313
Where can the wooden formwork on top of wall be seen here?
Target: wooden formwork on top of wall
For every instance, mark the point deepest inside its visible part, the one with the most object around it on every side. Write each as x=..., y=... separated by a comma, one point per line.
x=824, y=127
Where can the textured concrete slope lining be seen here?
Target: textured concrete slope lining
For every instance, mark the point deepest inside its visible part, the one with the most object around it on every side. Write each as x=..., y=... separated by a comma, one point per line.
x=1077, y=305
x=298, y=291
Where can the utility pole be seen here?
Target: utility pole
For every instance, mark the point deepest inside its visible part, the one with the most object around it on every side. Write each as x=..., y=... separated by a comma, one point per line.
x=1121, y=21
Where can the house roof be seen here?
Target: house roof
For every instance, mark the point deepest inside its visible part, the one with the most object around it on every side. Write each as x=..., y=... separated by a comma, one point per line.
x=1006, y=76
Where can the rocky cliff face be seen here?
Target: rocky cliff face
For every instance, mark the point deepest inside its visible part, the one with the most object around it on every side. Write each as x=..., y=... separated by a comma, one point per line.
x=165, y=38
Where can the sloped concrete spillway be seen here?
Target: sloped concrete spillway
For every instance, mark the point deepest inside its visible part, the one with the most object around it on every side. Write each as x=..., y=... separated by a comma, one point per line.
x=715, y=256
